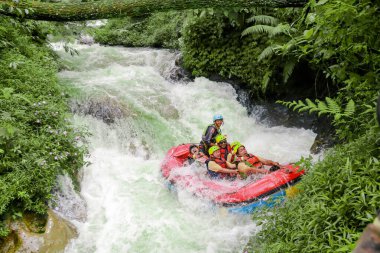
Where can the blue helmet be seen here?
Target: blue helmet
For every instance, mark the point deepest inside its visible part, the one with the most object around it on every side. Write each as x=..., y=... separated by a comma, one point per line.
x=217, y=117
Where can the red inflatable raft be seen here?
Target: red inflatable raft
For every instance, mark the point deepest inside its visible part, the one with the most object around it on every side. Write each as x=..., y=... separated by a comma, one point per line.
x=239, y=196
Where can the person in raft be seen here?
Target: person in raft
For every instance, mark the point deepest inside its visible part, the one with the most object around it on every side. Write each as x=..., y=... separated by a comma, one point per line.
x=245, y=160
x=196, y=155
x=224, y=146
x=231, y=156
x=219, y=168
x=208, y=137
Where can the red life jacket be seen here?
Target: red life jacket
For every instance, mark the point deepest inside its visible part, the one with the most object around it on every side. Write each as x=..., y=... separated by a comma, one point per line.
x=220, y=175
x=220, y=161
x=252, y=160
x=225, y=151
x=249, y=159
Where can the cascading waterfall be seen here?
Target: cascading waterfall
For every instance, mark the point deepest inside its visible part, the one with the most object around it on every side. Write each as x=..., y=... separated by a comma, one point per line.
x=135, y=111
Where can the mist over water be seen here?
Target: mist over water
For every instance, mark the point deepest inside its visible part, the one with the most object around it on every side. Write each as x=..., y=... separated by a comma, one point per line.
x=136, y=112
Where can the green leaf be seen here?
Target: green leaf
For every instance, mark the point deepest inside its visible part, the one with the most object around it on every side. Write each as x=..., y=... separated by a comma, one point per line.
x=310, y=103
x=265, y=81
x=350, y=108
x=7, y=93
x=333, y=106
x=322, y=106
x=288, y=69
x=258, y=29
x=299, y=105
x=322, y=2
x=308, y=33
x=267, y=52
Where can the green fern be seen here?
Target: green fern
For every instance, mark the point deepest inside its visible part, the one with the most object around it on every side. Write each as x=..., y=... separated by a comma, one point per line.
x=288, y=69
x=267, y=29
x=258, y=29
x=330, y=107
x=265, y=81
x=281, y=29
x=350, y=108
x=263, y=19
x=268, y=52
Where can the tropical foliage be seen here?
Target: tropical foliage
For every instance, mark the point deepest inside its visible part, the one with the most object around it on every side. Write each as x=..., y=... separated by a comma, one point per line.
x=241, y=44
x=37, y=141
x=340, y=193
x=157, y=30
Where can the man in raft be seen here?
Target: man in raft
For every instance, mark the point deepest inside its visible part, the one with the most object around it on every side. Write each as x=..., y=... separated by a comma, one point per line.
x=209, y=135
x=245, y=160
x=218, y=167
x=225, y=148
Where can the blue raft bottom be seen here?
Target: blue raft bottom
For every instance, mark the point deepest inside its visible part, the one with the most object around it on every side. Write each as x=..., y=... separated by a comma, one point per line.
x=269, y=201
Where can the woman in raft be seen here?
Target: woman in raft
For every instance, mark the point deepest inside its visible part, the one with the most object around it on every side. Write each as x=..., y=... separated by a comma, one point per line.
x=196, y=155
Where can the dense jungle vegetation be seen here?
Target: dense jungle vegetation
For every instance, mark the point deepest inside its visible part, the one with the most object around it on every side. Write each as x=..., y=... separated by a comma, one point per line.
x=37, y=142
x=326, y=55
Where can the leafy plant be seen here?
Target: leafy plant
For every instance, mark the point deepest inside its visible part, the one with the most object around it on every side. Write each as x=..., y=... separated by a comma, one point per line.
x=330, y=107
x=37, y=142
x=157, y=30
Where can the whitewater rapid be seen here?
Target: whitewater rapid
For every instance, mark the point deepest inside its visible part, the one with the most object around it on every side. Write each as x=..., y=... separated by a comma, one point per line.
x=126, y=203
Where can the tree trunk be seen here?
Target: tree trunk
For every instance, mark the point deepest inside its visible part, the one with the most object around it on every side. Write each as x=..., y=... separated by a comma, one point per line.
x=121, y=8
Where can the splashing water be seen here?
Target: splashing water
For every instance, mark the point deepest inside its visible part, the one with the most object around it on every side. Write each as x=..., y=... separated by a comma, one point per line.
x=136, y=113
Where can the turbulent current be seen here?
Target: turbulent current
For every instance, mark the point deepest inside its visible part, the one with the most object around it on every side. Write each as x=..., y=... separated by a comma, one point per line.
x=135, y=111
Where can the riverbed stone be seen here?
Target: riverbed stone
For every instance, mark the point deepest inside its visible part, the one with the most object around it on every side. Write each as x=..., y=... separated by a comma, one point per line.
x=27, y=236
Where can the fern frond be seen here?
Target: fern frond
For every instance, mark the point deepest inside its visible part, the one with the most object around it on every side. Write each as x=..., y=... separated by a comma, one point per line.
x=300, y=104
x=263, y=19
x=279, y=29
x=288, y=104
x=329, y=107
x=258, y=29
x=304, y=109
x=350, y=108
x=322, y=106
x=288, y=70
x=334, y=108
x=265, y=81
x=311, y=103
x=268, y=52
x=313, y=110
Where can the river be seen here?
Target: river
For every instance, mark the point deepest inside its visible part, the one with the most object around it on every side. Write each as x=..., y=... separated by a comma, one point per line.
x=135, y=113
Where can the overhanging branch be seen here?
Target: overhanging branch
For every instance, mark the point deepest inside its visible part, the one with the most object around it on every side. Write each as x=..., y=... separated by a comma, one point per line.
x=122, y=8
